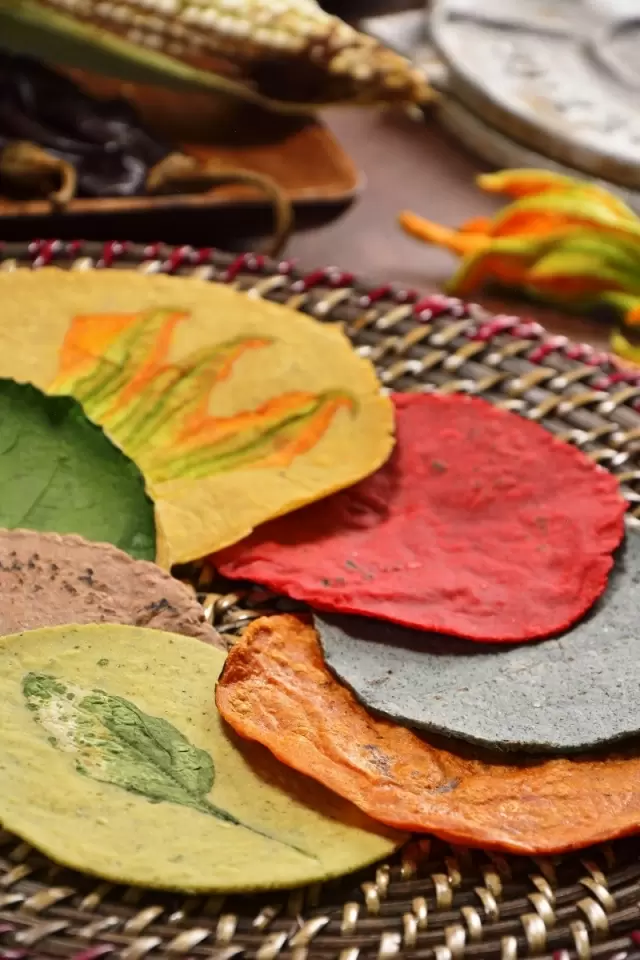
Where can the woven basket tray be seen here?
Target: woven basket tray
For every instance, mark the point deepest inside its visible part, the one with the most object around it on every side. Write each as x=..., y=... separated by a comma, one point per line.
x=432, y=900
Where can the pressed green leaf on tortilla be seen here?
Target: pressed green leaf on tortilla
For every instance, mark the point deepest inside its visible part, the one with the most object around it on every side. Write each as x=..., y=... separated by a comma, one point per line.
x=60, y=473
x=115, y=742
x=114, y=761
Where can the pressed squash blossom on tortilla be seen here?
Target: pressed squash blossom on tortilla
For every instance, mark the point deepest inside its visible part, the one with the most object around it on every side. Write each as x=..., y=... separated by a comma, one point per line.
x=308, y=720
x=60, y=473
x=114, y=761
x=47, y=580
x=482, y=525
x=235, y=409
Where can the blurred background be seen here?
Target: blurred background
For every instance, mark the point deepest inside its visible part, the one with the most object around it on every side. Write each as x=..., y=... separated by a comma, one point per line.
x=346, y=171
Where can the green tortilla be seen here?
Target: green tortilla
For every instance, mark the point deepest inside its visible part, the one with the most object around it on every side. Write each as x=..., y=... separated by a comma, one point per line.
x=114, y=761
x=60, y=473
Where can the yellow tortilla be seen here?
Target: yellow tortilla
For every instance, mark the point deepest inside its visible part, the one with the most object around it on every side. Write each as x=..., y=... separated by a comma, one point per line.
x=65, y=692
x=235, y=409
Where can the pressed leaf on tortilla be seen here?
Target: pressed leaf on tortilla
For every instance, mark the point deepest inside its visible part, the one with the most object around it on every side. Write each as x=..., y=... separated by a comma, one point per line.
x=114, y=761
x=117, y=743
x=235, y=409
x=61, y=474
x=276, y=689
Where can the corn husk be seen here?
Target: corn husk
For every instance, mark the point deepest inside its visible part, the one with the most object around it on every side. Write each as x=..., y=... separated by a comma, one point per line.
x=288, y=55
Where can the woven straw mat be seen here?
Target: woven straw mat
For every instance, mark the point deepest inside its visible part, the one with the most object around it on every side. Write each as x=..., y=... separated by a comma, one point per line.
x=432, y=901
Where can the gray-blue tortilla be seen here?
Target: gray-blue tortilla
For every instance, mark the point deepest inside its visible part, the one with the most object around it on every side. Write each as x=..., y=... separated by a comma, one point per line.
x=567, y=694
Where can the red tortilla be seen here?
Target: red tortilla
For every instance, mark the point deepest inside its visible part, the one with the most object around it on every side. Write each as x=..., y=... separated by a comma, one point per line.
x=481, y=525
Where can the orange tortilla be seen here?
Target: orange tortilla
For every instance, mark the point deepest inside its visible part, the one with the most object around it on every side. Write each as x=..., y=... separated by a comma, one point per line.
x=276, y=689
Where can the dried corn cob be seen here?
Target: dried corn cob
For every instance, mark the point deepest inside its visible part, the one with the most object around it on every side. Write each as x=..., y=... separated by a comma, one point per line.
x=287, y=54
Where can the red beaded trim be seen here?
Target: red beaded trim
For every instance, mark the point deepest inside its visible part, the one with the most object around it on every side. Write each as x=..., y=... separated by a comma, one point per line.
x=94, y=953
x=424, y=308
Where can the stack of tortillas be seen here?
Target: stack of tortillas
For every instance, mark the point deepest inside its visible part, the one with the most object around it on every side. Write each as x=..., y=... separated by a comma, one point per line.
x=216, y=413
x=470, y=629
x=472, y=640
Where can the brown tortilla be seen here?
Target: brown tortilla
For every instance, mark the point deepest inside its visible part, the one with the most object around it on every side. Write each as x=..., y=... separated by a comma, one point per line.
x=47, y=580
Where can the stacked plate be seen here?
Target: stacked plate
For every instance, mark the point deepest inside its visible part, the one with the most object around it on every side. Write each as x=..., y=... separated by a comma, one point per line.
x=537, y=83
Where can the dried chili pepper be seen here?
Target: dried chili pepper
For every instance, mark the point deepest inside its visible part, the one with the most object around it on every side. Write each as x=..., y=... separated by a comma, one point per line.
x=102, y=144
x=29, y=168
x=276, y=689
x=102, y=139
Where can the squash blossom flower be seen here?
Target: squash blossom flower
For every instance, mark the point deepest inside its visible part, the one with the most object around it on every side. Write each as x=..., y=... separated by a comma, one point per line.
x=561, y=241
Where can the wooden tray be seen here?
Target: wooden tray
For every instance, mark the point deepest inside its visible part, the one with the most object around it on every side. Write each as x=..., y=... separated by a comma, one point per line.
x=431, y=901
x=300, y=154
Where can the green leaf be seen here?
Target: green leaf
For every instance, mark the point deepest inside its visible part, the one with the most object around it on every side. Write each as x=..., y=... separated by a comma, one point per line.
x=115, y=742
x=60, y=473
